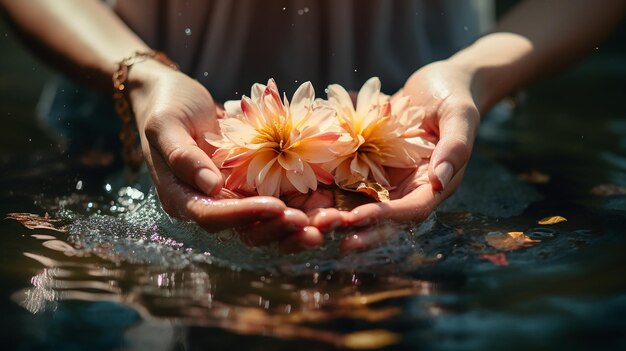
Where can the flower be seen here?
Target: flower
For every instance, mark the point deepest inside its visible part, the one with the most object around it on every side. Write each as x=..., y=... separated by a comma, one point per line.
x=277, y=147
x=386, y=133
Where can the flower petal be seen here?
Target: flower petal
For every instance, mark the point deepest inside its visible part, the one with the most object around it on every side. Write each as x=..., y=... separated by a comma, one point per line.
x=272, y=177
x=251, y=112
x=303, y=181
x=320, y=119
x=215, y=139
x=368, y=96
x=358, y=167
x=271, y=99
x=237, y=157
x=290, y=161
x=302, y=102
x=236, y=178
x=322, y=148
x=256, y=93
x=233, y=108
x=377, y=171
x=259, y=166
x=322, y=175
x=237, y=131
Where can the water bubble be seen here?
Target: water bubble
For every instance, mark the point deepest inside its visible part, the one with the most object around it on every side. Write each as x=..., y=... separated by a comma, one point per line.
x=284, y=8
x=79, y=185
x=107, y=188
x=465, y=28
x=303, y=11
x=326, y=90
x=355, y=69
x=206, y=74
x=188, y=31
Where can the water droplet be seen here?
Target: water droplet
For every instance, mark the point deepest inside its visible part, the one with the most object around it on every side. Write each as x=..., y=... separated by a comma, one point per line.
x=206, y=74
x=79, y=185
x=188, y=31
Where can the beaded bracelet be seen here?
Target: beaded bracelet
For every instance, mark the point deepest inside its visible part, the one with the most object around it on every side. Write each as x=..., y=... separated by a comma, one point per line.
x=131, y=154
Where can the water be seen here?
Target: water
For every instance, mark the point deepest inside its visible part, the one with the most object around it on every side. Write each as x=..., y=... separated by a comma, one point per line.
x=114, y=273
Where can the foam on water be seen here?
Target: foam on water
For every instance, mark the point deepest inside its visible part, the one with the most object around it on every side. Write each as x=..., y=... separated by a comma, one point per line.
x=144, y=233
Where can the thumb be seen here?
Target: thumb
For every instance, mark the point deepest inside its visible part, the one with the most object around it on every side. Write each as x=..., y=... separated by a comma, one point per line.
x=452, y=152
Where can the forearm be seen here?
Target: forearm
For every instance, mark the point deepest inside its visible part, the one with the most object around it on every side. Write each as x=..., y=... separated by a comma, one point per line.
x=536, y=37
x=82, y=38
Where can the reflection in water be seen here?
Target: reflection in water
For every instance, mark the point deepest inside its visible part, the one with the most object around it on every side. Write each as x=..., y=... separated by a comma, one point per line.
x=437, y=280
x=200, y=294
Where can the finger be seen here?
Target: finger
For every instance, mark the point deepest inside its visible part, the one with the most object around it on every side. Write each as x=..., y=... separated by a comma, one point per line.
x=368, y=238
x=328, y=219
x=210, y=213
x=307, y=238
x=452, y=152
x=265, y=232
x=415, y=206
x=214, y=215
x=184, y=158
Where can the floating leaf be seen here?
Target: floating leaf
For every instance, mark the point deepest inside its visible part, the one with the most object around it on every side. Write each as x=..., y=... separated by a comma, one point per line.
x=608, y=190
x=373, y=315
x=534, y=177
x=509, y=241
x=366, y=299
x=33, y=221
x=421, y=260
x=370, y=339
x=551, y=220
x=371, y=189
x=499, y=259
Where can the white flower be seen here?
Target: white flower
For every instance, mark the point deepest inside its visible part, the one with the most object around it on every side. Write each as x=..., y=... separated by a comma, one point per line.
x=385, y=134
x=274, y=146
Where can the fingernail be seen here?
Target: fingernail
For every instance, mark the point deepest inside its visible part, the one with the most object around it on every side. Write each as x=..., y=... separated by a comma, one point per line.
x=443, y=171
x=206, y=180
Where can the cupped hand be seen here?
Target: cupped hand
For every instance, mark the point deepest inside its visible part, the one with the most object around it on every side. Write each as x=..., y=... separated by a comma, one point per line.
x=173, y=112
x=444, y=91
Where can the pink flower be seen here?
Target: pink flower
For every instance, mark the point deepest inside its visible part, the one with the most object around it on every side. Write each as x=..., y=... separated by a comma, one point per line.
x=277, y=147
x=386, y=133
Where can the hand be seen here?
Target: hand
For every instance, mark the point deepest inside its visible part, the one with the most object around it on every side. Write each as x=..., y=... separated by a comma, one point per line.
x=173, y=112
x=443, y=89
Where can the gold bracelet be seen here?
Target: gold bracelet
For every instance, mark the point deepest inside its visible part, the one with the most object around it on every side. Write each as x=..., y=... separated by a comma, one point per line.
x=131, y=154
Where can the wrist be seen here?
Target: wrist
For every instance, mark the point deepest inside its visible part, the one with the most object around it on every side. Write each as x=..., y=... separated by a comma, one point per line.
x=498, y=64
x=128, y=90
